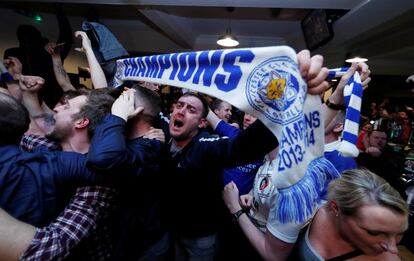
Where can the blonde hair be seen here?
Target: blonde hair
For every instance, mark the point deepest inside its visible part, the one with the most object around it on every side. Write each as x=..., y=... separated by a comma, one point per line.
x=358, y=187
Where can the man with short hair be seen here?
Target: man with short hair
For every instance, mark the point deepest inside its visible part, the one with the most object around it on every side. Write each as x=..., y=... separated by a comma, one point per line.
x=377, y=140
x=76, y=120
x=198, y=159
x=195, y=174
x=381, y=159
x=38, y=183
x=222, y=109
x=122, y=144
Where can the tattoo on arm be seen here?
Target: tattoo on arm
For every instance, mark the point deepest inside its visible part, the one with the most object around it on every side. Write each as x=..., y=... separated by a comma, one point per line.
x=61, y=70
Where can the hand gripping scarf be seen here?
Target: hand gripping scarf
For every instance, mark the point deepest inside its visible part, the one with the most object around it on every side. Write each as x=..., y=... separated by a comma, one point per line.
x=266, y=83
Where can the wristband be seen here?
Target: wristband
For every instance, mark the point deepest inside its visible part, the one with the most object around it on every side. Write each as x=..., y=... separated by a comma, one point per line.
x=333, y=106
x=237, y=215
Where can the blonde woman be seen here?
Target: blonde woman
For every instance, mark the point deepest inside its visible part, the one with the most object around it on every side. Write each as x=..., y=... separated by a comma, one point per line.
x=364, y=219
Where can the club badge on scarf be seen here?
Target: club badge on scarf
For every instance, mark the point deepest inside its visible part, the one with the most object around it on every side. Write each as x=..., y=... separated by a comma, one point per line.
x=264, y=82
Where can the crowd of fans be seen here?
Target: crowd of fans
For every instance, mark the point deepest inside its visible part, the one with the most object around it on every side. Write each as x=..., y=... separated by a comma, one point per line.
x=118, y=174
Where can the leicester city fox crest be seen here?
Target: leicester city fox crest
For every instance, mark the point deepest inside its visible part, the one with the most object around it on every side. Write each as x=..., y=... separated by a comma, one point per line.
x=276, y=84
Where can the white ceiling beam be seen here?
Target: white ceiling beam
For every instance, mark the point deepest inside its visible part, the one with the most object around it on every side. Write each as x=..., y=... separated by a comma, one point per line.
x=170, y=27
x=314, y=4
x=364, y=18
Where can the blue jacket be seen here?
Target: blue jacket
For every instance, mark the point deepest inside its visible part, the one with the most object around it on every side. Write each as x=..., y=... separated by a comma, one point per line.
x=136, y=163
x=36, y=186
x=243, y=176
x=195, y=176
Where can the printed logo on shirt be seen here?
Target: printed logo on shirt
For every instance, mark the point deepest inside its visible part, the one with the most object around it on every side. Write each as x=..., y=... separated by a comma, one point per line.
x=264, y=183
x=273, y=88
x=263, y=186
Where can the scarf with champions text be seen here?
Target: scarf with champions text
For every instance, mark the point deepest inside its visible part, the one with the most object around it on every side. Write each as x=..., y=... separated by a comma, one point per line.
x=266, y=83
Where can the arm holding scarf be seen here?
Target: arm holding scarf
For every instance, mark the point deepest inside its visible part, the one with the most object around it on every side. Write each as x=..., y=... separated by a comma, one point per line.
x=337, y=96
x=348, y=92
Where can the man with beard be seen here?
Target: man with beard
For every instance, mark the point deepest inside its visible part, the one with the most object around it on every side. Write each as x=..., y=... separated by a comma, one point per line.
x=75, y=121
x=35, y=184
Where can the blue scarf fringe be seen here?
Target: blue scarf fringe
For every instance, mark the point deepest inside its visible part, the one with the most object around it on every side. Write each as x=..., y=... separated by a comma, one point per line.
x=296, y=204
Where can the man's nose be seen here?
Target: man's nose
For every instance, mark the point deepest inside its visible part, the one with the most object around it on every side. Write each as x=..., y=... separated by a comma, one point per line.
x=391, y=245
x=181, y=109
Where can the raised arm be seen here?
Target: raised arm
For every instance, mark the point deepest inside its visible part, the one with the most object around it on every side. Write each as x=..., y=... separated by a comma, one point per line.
x=30, y=86
x=212, y=119
x=14, y=67
x=221, y=127
x=337, y=96
x=97, y=74
x=15, y=237
x=60, y=73
x=109, y=148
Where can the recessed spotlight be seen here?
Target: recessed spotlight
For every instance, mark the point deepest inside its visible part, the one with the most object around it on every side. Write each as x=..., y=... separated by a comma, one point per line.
x=356, y=60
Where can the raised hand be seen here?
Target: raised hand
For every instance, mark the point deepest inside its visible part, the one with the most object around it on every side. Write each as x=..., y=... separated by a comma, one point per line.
x=312, y=71
x=157, y=134
x=31, y=83
x=337, y=96
x=14, y=66
x=124, y=107
x=231, y=197
x=54, y=49
x=246, y=201
x=86, y=43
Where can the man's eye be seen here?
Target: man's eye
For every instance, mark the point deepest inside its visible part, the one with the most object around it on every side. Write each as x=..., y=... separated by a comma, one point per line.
x=373, y=233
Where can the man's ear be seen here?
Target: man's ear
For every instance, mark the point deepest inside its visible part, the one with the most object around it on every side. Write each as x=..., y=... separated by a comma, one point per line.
x=202, y=123
x=338, y=128
x=333, y=206
x=82, y=123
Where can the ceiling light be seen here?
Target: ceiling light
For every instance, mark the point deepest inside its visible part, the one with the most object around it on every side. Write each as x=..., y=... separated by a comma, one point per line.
x=228, y=40
x=356, y=60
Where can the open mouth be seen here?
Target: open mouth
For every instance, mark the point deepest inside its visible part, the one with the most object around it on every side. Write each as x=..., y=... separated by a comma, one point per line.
x=178, y=123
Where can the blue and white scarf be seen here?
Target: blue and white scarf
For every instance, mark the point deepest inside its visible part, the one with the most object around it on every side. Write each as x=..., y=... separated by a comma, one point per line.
x=264, y=82
x=353, y=99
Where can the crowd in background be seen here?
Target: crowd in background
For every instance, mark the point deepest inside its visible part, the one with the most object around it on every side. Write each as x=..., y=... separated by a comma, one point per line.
x=138, y=173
